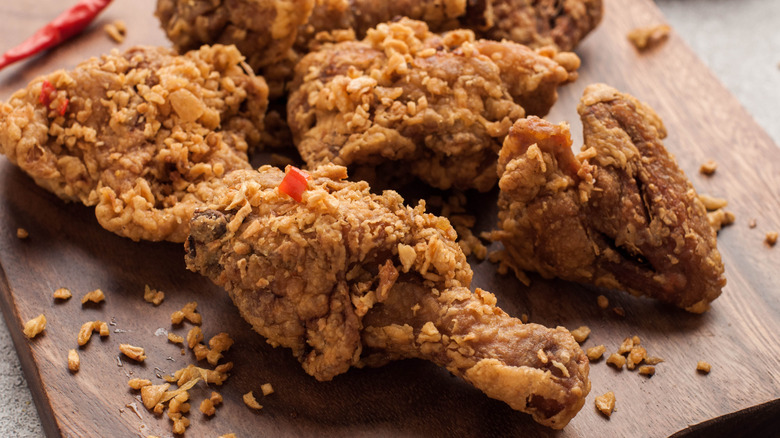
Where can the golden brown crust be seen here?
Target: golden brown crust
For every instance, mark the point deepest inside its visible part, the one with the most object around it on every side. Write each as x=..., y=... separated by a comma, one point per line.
x=349, y=278
x=620, y=215
x=140, y=135
x=440, y=104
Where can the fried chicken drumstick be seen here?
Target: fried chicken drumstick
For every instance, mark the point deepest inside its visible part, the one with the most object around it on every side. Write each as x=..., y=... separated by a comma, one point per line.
x=274, y=34
x=621, y=214
x=348, y=278
x=143, y=136
x=439, y=104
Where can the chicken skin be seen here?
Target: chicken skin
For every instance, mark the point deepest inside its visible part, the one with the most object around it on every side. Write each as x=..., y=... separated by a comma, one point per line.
x=620, y=215
x=349, y=278
x=439, y=105
x=274, y=34
x=143, y=136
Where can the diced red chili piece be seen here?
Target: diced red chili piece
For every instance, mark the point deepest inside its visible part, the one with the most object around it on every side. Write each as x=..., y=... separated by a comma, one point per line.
x=64, y=107
x=46, y=89
x=295, y=182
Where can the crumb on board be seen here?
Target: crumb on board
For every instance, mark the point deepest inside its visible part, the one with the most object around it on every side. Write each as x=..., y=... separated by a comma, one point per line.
x=635, y=357
x=712, y=203
x=62, y=294
x=194, y=337
x=187, y=312
x=616, y=360
x=602, y=301
x=22, y=233
x=228, y=435
x=219, y=343
x=174, y=338
x=703, y=367
x=581, y=333
x=251, y=401
x=117, y=30
x=96, y=296
x=647, y=370
x=133, y=352
x=752, y=223
x=153, y=296
x=524, y=318
x=708, y=168
x=771, y=238
x=647, y=37
x=267, y=389
x=606, y=403
x=653, y=360
x=85, y=333
x=720, y=218
x=619, y=311
x=73, y=361
x=626, y=346
x=35, y=326
x=595, y=353
x=207, y=407
x=138, y=383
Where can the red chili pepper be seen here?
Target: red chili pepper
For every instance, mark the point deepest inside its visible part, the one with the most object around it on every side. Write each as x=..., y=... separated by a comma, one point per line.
x=295, y=182
x=66, y=25
x=46, y=89
x=63, y=107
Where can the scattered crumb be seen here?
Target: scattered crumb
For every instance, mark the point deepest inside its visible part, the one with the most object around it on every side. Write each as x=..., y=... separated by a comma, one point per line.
x=581, y=334
x=85, y=333
x=22, y=233
x=720, y=218
x=267, y=389
x=188, y=312
x=602, y=301
x=635, y=357
x=133, y=352
x=616, y=360
x=647, y=370
x=771, y=238
x=138, y=383
x=153, y=296
x=35, y=326
x=524, y=318
x=626, y=346
x=249, y=400
x=219, y=343
x=703, y=367
x=752, y=223
x=709, y=167
x=116, y=30
x=73, y=361
x=176, y=339
x=653, y=360
x=595, y=353
x=647, y=37
x=712, y=203
x=228, y=435
x=215, y=398
x=62, y=294
x=194, y=336
x=619, y=311
x=96, y=296
x=207, y=407
x=606, y=403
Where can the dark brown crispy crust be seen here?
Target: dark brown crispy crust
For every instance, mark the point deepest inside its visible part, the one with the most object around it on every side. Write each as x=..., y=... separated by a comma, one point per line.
x=440, y=104
x=348, y=278
x=143, y=136
x=620, y=215
x=274, y=34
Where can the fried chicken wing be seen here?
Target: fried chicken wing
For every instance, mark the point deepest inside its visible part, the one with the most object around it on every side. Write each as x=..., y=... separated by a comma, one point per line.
x=142, y=136
x=621, y=214
x=440, y=104
x=349, y=278
x=274, y=34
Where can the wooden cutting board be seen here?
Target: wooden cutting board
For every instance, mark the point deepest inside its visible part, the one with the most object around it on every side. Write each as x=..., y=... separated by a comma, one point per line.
x=739, y=336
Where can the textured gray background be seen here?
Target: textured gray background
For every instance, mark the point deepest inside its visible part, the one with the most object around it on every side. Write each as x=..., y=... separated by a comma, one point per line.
x=737, y=39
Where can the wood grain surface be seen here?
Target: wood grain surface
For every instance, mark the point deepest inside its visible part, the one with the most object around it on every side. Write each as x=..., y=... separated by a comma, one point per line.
x=739, y=336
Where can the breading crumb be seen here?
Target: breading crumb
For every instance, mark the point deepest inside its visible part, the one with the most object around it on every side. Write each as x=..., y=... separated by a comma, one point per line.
x=720, y=218
x=188, y=312
x=635, y=357
x=194, y=336
x=524, y=318
x=176, y=339
x=616, y=360
x=249, y=400
x=133, y=352
x=647, y=370
x=619, y=311
x=85, y=333
x=703, y=367
x=709, y=167
x=712, y=203
x=153, y=296
x=215, y=398
x=207, y=407
x=267, y=389
x=35, y=326
x=602, y=301
x=21, y=233
x=581, y=333
x=606, y=403
x=771, y=238
x=62, y=294
x=653, y=360
x=73, y=361
x=116, y=31
x=752, y=223
x=626, y=346
x=596, y=353
x=96, y=296
x=228, y=435
x=647, y=37
x=138, y=383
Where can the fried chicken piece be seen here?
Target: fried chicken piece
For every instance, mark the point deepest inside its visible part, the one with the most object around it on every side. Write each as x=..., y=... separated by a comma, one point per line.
x=441, y=104
x=621, y=214
x=143, y=136
x=274, y=34
x=349, y=278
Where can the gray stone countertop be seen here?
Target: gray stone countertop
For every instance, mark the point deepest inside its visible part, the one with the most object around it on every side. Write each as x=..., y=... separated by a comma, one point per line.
x=738, y=39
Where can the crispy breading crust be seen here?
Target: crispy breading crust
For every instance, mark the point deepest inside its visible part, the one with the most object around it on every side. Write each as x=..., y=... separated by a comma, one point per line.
x=349, y=278
x=143, y=137
x=621, y=215
x=441, y=104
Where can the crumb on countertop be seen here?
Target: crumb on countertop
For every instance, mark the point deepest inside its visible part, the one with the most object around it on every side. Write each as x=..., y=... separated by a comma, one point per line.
x=703, y=367
x=595, y=353
x=647, y=37
x=606, y=403
x=581, y=333
x=771, y=238
x=96, y=296
x=62, y=293
x=249, y=400
x=117, y=30
x=153, y=296
x=708, y=168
